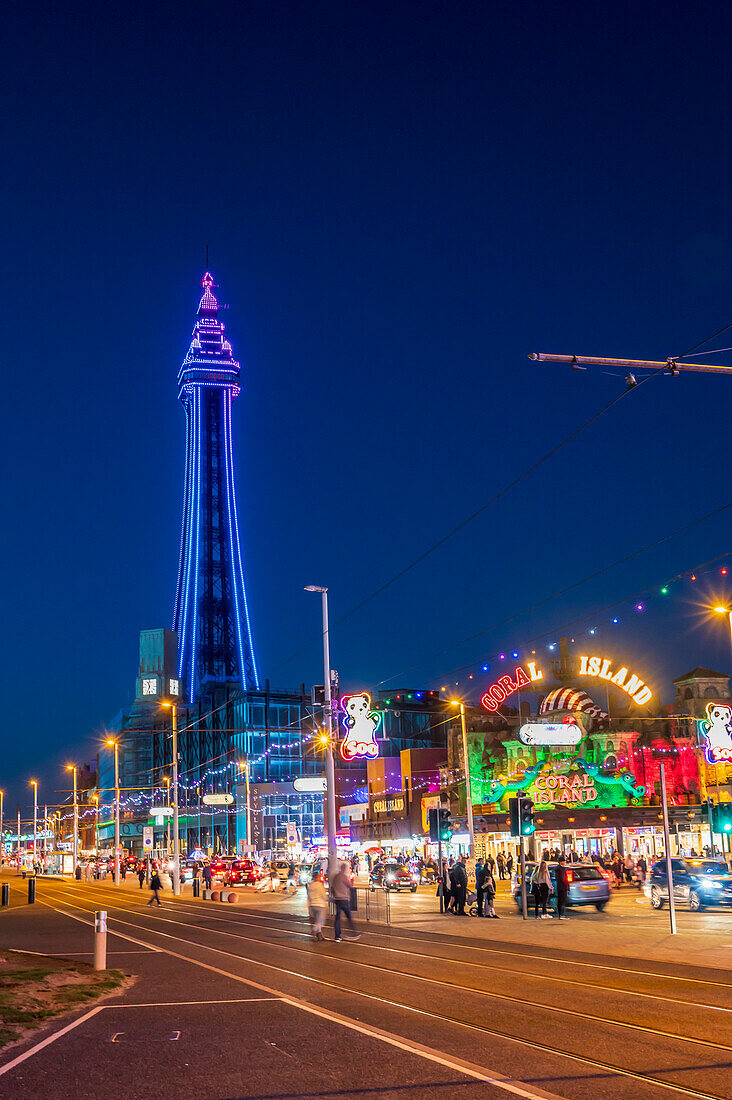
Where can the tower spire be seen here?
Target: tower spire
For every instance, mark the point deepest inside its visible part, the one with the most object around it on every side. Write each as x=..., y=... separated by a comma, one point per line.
x=211, y=615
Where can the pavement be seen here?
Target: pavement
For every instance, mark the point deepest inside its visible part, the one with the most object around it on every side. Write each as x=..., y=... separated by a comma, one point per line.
x=238, y=1001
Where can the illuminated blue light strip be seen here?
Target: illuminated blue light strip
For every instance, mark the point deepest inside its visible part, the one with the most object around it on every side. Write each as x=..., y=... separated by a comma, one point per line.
x=183, y=639
x=192, y=685
x=241, y=571
x=228, y=454
x=183, y=525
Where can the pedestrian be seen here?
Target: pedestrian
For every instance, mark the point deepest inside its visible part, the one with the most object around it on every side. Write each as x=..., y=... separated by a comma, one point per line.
x=340, y=891
x=274, y=878
x=509, y=863
x=629, y=867
x=141, y=874
x=540, y=886
x=77, y=872
x=317, y=905
x=490, y=862
x=480, y=874
x=291, y=875
x=207, y=876
x=489, y=894
x=444, y=886
x=460, y=886
x=562, y=888
x=642, y=869
x=156, y=886
x=501, y=865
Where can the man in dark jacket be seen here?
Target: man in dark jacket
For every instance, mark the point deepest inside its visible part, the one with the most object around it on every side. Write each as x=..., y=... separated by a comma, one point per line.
x=460, y=887
x=479, y=880
x=562, y=888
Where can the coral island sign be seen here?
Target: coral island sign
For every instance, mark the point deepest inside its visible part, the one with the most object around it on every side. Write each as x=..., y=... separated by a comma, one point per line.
x=593, y=666
x=553, y=789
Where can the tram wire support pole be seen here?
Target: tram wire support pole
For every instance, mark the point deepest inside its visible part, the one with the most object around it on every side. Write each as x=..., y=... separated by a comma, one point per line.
x=667, y=842
x=522, y=852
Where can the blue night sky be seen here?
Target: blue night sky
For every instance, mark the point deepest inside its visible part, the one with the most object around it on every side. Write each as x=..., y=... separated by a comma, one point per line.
x=400, y=202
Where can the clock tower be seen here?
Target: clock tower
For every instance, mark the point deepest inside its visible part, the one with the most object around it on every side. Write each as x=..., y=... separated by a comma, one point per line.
x=157, y=675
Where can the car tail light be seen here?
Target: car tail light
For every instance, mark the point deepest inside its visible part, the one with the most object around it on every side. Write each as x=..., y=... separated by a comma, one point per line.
x=570, y=877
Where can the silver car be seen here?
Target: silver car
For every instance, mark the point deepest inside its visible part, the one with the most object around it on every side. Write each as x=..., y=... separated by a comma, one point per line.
x=586, y=882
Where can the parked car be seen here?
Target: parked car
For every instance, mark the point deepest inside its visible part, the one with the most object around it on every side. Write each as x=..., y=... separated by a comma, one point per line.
x=393, y=876
x=697, y=883
x=587, y=885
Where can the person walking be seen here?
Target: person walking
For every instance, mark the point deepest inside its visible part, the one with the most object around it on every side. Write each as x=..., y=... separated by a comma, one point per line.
x=317, y=905
x=480, y=874
x=501, y=865
x=562, y=888
x=489, y=894
x=540, y=886
x=509, y=863
x=207, y=876
x=141, y=874
x=445, y=885
x=340, y=891
x=156, y=886
x=460, y=886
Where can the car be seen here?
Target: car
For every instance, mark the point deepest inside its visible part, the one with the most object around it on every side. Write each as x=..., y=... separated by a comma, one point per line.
x=697, y=883
x=220, y=865
x=587, y=885
x=242, y=872
x=393, y=876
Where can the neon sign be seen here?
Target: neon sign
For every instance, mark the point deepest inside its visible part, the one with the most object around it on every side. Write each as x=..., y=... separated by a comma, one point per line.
x=716, y=729
x=552, y=789
x=505, y=686
x=361, y=724
x=631, y=684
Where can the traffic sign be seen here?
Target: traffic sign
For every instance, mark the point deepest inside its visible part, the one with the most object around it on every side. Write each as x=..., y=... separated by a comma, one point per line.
x=218, y=799
x=161, y=811
x=147, y=838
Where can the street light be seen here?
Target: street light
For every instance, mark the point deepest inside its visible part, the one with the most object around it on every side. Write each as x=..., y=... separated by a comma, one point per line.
x=176, y=838
x=72, y=768
x=34, y=785
x=111, y=741
x=329, y=765
x=468, y=792
x=2, y=834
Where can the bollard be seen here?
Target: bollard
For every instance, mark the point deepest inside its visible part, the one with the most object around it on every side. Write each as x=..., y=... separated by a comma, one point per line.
x=31, y=891
x=196, y=887
x=100, y=940
x=6, y=894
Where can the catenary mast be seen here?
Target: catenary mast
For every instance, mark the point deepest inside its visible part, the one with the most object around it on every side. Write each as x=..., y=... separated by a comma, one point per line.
x=211, y=617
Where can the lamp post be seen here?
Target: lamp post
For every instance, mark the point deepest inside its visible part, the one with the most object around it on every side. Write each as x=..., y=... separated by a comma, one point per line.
x=2, y=834
x=113, y=741
x=45, y=829
x=720, y=611
x=72, y=768
x=468, y=792
x=176, y=838
x=329, y=765
x=166, y=781
x=34, y=785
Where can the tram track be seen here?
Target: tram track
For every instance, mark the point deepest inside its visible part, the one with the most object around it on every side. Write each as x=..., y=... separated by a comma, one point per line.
x=402, y=1005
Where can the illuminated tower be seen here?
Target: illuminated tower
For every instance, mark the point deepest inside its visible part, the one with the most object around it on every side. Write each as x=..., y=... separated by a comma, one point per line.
x=211, y=617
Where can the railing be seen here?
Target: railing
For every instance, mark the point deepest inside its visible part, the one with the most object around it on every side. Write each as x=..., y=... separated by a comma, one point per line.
x=368, y=904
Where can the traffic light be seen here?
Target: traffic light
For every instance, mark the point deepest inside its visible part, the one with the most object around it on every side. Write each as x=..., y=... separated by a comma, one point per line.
x=439, y=825
x=720, y=817
x=521, y=813
x=526, y=816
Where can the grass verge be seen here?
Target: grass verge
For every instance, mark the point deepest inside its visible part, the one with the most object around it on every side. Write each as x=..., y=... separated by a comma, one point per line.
x=32, y=994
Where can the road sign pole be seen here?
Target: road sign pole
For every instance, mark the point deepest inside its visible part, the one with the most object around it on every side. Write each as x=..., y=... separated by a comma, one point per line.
x=439, y=873
x=667, y=842
x=523, y=878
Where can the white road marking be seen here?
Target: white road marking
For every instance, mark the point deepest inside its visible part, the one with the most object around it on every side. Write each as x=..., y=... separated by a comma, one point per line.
x=90, y=923
x=50, y=1039
x=176, y=1004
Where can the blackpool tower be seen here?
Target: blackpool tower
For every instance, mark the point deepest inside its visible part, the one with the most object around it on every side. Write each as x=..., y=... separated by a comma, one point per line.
x=211, y=617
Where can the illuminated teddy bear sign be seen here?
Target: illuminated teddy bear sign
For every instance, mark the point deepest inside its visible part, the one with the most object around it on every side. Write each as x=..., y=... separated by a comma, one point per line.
x=717, y=730
x=361, y=724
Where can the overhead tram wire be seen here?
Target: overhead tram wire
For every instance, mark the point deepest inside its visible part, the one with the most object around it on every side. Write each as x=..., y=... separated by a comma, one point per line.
x=474, y=515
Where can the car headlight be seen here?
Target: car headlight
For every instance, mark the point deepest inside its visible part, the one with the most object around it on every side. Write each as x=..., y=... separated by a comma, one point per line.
x=716, y=885
x=389, y=878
